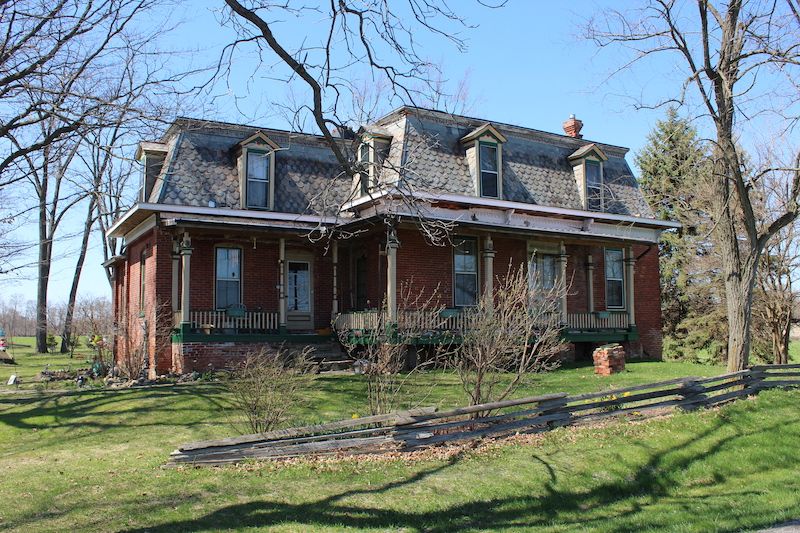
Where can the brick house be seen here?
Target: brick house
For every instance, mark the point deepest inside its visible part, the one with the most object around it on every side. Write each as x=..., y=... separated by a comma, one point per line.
x=244, y=236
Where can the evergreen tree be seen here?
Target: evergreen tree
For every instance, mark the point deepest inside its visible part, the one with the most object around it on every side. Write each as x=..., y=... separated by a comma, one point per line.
x=674, y=174
x=673, y=166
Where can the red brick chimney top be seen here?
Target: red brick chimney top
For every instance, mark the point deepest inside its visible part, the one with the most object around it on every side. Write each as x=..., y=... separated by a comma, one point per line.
x=572, y=127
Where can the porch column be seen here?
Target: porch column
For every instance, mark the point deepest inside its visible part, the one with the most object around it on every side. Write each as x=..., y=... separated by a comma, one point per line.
x=186, y=259
x=176, y=271
x=488, y=270
x=282, y=285
x=391, y=275
x=590, y=281
x=562, y=259
x=630, y=261
x=335, y=309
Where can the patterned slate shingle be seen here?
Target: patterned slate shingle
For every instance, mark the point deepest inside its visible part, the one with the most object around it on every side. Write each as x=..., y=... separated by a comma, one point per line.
x=201, y=167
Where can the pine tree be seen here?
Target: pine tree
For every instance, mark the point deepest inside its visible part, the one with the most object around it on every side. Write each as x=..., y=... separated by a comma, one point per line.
x=674, y=174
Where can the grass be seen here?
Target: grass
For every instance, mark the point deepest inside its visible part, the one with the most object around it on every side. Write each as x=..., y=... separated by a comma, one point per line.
x=29, y=364
x=88, y=461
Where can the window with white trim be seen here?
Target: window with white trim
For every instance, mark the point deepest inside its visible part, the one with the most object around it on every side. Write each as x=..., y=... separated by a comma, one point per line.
x=257, y=179
x=489, y=164
x=228, y=289
x=615, y=278
x=594, y=185
x=465, y=272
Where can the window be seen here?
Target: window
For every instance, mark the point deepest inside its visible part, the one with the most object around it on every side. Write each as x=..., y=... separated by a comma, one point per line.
x=615, y=279
x=489, y=167
x=298, y=287
x=228, y=278
x=371, y=155
x=363, y=159
x=142, y=278
x=258, y=164
x=465, y=272
x=544, y=271
x=594, y=186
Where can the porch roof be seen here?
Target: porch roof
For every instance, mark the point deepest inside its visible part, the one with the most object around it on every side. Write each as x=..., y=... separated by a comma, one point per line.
x=141, y=212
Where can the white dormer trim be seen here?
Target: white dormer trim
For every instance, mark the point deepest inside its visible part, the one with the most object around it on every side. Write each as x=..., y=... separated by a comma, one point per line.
x=257, y=144
x=481, y=131
x=260, y=137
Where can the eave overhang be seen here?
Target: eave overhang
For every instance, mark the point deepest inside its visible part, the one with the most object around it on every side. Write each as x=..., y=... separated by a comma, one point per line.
x=142, y=211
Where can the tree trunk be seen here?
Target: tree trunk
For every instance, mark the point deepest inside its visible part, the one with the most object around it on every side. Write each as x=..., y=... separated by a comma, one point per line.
x=43, y=278
x=739, y=287
x=66, y=336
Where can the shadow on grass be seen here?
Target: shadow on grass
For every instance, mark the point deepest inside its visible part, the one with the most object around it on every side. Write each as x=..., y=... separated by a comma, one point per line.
x=621, y=504
x=108, y=409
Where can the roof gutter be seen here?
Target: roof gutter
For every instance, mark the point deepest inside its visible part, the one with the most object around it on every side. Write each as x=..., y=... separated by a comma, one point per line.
x=515, y=206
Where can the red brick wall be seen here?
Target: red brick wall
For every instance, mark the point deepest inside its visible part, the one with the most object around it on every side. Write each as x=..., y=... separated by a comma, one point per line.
x=429, y=268
x=647, y=299
x=154, y=311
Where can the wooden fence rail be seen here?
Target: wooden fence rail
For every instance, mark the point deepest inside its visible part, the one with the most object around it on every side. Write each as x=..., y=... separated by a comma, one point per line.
x=417, y=428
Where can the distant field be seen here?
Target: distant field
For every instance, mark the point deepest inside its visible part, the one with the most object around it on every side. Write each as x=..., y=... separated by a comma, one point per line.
x=29, y=363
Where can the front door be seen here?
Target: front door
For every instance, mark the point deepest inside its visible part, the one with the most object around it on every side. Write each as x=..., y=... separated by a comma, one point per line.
x=299, y=295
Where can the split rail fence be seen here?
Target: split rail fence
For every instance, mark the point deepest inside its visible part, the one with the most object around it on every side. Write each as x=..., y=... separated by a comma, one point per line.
x=419, y=428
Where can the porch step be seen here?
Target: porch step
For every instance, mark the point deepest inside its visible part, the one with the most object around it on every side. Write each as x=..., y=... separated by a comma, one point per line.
x=331, y=356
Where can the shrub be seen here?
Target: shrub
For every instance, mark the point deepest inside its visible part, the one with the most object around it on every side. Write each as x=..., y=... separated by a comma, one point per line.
x=266, y=385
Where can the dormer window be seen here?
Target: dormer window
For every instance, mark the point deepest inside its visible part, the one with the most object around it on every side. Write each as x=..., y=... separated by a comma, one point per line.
x=257, y=186
x=257, y=171
x=594, y=185
x=587, y=165
x=490, y=173
x=372, y=153
x=484, y=152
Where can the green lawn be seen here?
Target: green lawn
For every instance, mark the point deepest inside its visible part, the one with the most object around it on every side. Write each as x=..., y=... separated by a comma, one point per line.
x=28, y=364
x=86, y=461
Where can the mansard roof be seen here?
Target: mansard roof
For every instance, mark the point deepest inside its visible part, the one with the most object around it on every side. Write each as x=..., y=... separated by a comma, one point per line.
x=201, y=165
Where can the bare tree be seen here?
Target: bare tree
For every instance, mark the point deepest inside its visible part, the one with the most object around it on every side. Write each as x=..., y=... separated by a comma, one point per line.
x=512, y=333
x=776, y=290
x=47, y=51
x=740, y=61
x=356, y=40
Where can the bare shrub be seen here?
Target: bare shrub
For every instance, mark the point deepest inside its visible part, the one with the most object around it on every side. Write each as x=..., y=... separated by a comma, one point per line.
x=384, y=350
x=512, y=333
x=266, y=385
x=133, y=339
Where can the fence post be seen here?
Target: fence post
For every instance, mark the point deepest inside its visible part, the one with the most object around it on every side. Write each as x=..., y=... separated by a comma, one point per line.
x=692, y=394
x=556, y=406
x=754, y=380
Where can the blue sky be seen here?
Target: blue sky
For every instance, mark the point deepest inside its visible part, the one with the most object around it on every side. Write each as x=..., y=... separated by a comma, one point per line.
x=526, y=64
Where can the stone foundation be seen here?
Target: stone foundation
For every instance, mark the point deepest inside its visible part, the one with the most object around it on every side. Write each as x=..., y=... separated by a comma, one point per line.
x=609, y=359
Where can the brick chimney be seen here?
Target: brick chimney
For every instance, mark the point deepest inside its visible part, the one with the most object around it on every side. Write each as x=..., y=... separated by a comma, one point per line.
x=572, y=127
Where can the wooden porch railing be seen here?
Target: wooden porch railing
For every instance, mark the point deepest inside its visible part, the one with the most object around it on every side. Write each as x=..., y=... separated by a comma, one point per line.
x=602, y=320
x=251, y=321
x=449, y=320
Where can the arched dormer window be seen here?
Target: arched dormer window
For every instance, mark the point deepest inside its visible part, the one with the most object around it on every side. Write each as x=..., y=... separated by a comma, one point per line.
x=587, y=165
x=484, y=151
x=256, y=164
